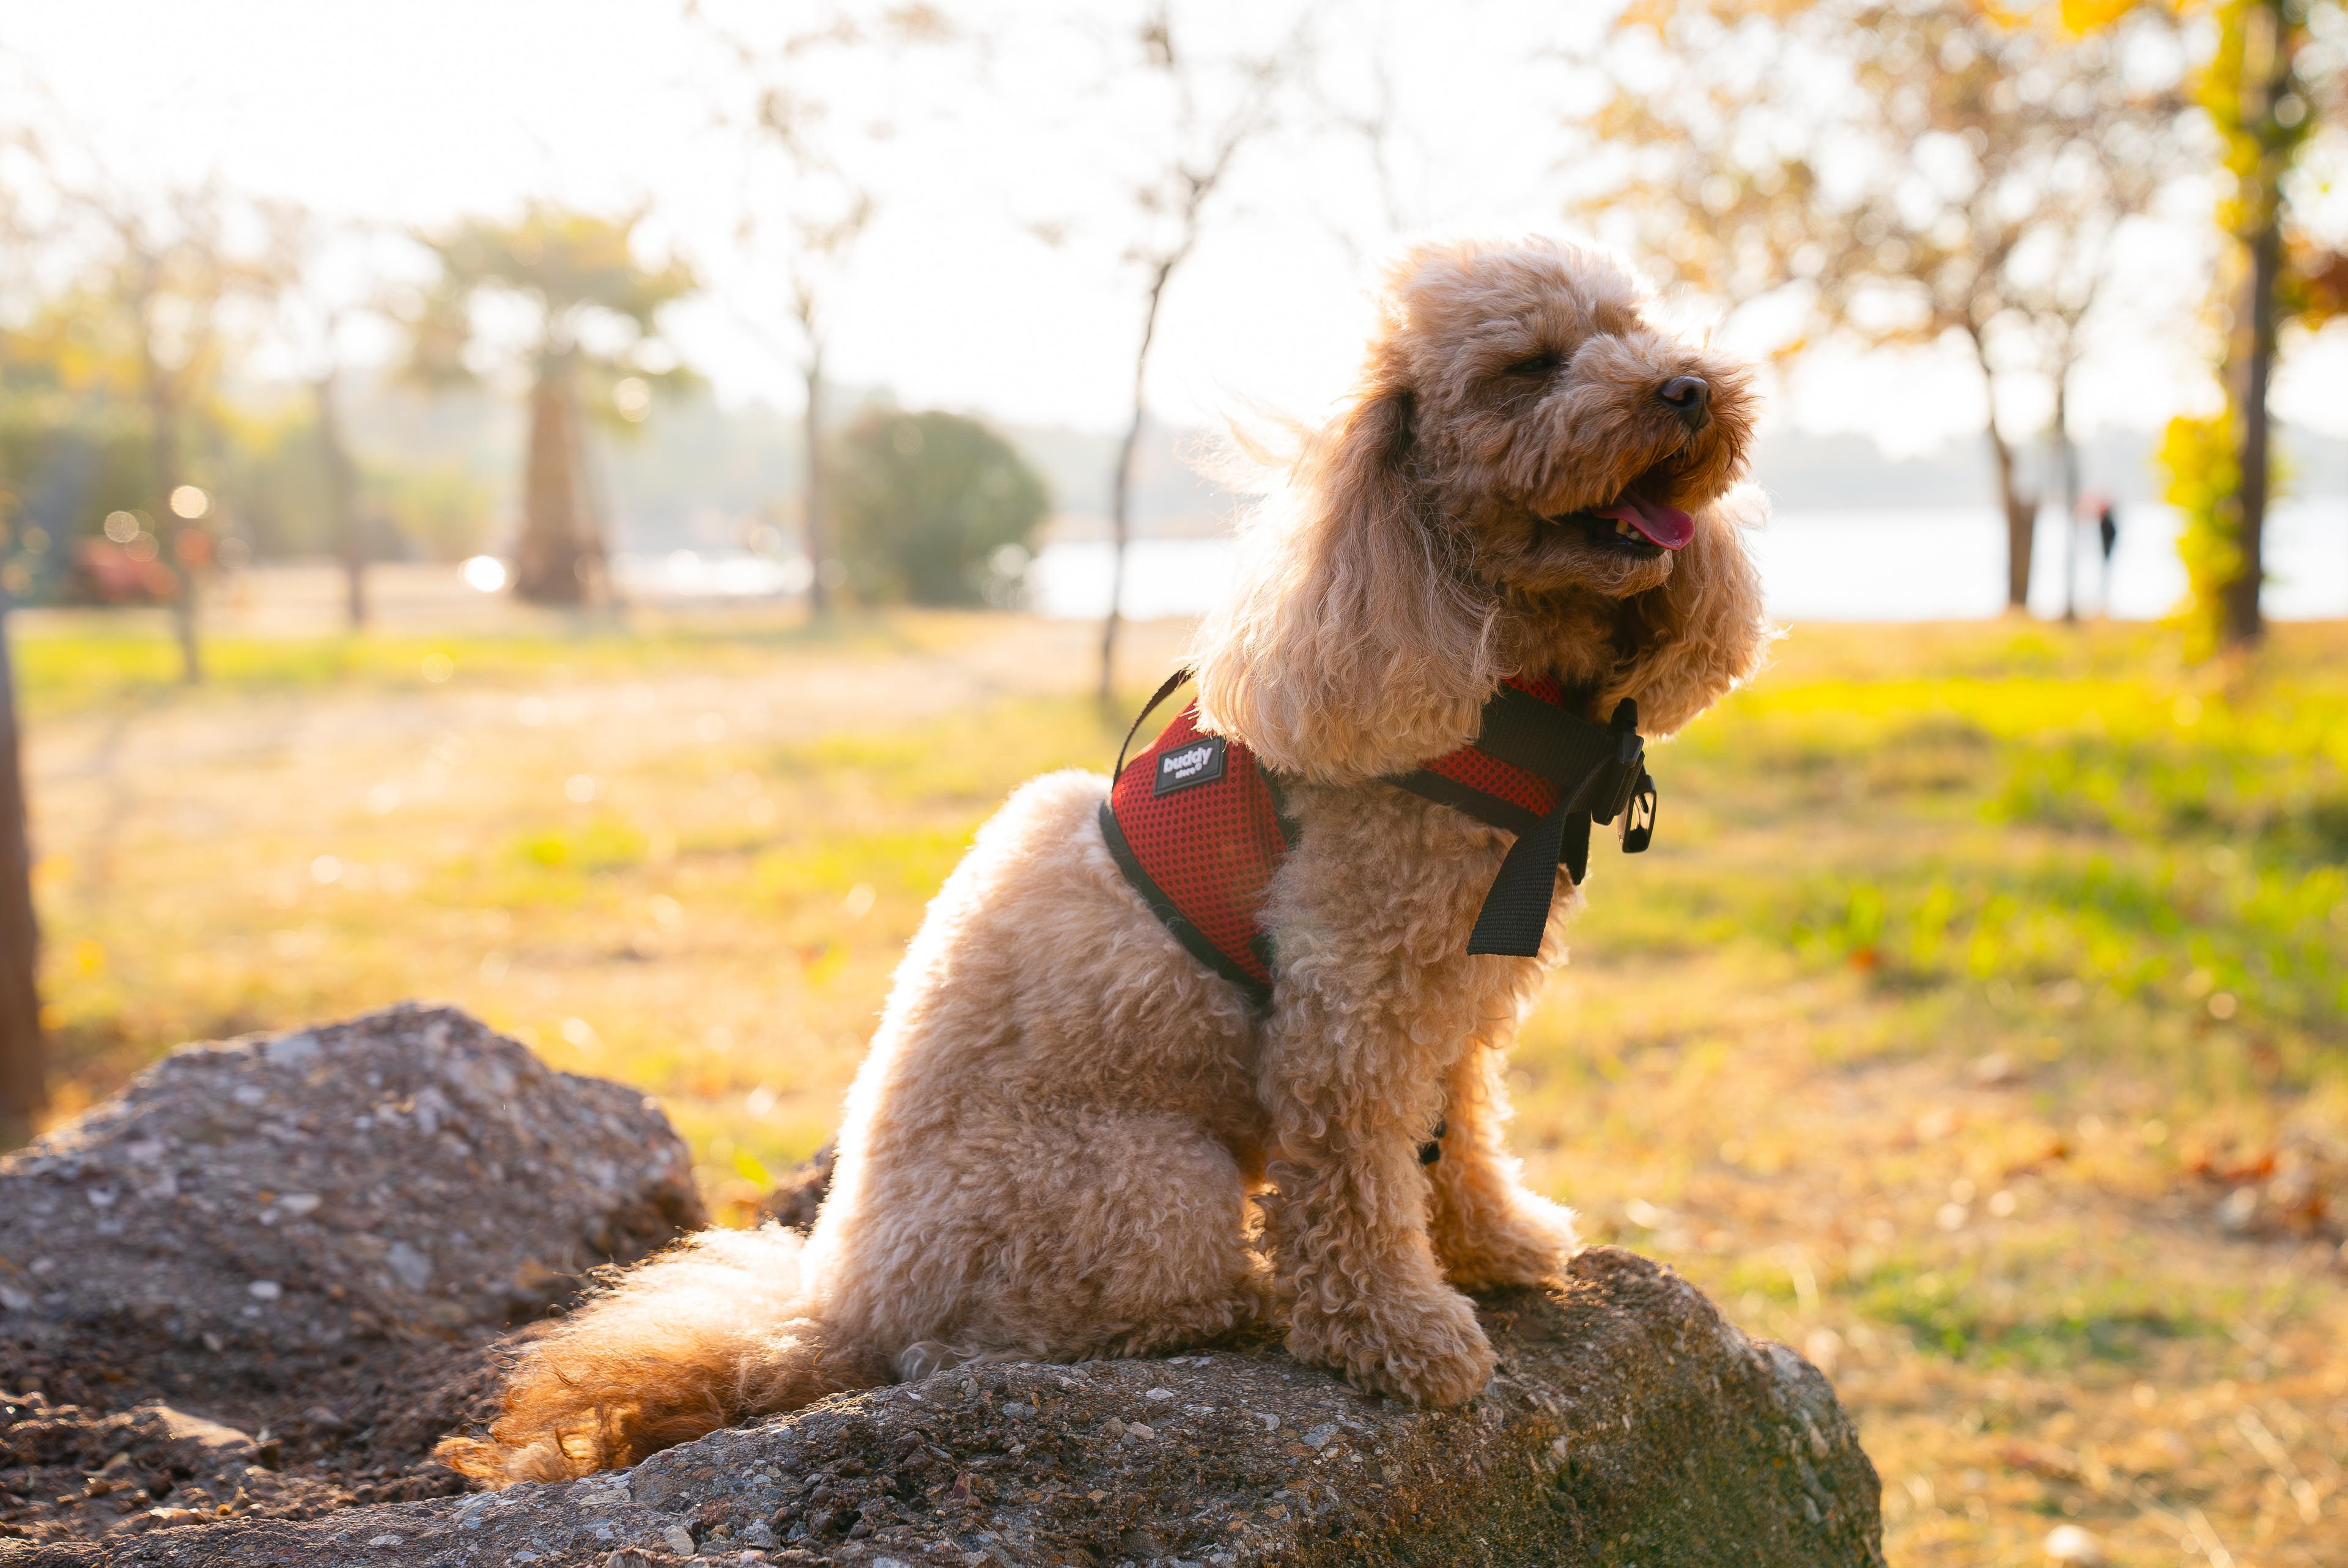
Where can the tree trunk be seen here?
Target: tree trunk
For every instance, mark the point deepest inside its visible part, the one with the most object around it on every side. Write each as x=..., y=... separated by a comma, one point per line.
x=2021, y=524
x=183, y=610
x=2242, y=623
x=594, y=533
x=23, y=1052
x=2021, y=512
x=2272, y=33
x=557, y=559
x=1120, y=505
x=343, y=501
x=816, y=494
x=1120, y=531
x=163, y=456
x=2067, y=452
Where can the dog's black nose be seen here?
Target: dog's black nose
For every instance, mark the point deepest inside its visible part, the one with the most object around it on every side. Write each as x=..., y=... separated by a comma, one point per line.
x=1690, y=397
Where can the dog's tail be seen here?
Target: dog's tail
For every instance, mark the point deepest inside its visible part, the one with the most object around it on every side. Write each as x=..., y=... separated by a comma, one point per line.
x=717, y=1330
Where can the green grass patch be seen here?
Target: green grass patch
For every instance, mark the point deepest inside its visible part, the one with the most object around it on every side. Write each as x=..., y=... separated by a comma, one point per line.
x=1962, y=1310
x=2139, y=863
x=70, y=661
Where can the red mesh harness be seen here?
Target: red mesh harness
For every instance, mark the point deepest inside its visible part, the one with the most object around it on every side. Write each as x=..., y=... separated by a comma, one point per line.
x=1196, y=822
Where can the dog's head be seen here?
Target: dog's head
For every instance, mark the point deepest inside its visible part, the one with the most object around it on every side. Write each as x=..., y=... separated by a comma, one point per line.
x=1530, y=476
x=1541, y=417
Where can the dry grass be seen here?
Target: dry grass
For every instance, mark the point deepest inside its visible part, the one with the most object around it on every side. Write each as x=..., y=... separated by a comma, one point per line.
x=1976, y=1025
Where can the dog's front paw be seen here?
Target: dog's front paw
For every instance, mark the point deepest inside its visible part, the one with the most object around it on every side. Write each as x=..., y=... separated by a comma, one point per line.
x=1429, y=1350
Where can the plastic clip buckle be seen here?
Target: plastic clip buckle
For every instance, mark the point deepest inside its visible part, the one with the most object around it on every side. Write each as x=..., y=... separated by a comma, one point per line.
x=1639, y=816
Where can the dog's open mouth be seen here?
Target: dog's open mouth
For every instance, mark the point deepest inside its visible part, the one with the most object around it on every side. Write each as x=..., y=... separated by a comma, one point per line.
x=1637, y=521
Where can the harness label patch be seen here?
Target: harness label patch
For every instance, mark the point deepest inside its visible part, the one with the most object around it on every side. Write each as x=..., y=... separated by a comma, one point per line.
x=1197, y=761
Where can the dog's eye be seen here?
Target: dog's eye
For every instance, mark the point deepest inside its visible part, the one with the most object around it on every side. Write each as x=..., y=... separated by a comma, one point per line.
x=1540, y=365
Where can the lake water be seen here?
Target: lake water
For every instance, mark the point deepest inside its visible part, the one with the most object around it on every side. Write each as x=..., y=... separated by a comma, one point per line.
x=1861, y=565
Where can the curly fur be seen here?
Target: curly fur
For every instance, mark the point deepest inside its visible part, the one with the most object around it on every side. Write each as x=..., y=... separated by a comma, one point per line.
x=1070, y=1139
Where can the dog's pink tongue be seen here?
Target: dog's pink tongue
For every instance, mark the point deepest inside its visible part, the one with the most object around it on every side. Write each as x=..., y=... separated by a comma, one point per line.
x=1666, y=526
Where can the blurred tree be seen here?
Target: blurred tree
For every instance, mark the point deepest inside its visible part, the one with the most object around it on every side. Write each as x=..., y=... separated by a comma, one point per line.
x=1895, y=171
x=24, y=1048
x=2275, y=75
x=811, y=126
x=67, y=462
x=23, y=1056
x=1367, y=110
x=142, y=327
x=342, y=486
x=937, y=509
x=147, y=327
x=2318, y=281
x=316, y=309
x=439, y=510
x=1206, y=108
x=273, y=462
x=266, y=456
x=590, y=340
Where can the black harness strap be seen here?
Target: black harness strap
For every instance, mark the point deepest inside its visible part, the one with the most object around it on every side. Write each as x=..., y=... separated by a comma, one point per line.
x=1542, y=738
x=1599, y=773
x=1165, y=689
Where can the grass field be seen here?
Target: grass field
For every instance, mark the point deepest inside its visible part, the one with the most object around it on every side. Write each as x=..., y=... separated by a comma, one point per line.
x=1976, y=1024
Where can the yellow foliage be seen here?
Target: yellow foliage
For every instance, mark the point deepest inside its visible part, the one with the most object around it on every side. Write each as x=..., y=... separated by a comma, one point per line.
x=2086, y=15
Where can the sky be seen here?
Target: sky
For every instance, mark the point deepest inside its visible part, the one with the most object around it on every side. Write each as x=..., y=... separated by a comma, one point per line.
x=409, y=113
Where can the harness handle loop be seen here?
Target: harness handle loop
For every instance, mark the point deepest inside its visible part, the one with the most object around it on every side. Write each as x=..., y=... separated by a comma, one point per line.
x=1165, y=691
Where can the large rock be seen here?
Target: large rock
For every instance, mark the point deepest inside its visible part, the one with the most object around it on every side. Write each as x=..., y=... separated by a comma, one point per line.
x=316, y=1240
x=410, y=1171
x=1630, y=1424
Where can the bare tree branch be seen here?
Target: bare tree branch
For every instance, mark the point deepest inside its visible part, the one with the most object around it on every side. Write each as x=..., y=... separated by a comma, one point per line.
x=1220, y=108
x=807, y=195
x=1903, y=170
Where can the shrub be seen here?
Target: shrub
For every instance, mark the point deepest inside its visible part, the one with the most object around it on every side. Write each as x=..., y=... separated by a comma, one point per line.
x=936, y=510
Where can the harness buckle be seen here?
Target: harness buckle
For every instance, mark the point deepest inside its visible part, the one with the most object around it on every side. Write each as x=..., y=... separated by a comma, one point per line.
x=1626, y=770
x=1639, y=816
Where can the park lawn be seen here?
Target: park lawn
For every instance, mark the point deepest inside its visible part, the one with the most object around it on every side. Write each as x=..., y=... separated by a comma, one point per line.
x=1976, y=1024
x=73, y=663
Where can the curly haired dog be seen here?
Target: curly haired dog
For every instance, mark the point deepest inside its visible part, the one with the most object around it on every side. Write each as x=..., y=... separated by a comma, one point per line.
x=1051, y=1152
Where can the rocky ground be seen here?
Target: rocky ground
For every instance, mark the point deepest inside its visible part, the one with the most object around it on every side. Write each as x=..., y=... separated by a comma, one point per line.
x=318, y=1240
x=158, y=1408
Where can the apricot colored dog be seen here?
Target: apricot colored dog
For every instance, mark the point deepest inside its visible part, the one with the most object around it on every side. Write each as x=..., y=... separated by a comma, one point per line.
x=1071, y=1139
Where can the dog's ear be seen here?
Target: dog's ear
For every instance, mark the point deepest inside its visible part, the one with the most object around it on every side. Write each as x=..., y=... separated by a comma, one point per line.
x=1353, y=645
x=1702, y=633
